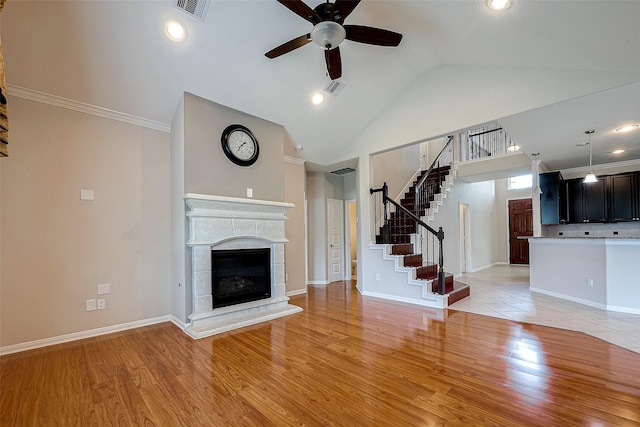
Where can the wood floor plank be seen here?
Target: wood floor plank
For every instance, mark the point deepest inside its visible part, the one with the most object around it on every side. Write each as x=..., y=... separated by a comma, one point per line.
x=346, y=360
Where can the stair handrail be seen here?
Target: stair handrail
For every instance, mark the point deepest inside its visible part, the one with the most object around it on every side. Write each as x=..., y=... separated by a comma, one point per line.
x=420, y=184
x=385, y=234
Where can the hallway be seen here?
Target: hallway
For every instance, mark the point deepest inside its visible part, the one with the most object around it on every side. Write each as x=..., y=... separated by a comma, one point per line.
x=503, y=291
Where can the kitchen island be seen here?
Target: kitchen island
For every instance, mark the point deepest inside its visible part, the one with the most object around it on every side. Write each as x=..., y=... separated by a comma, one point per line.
x=599, y=272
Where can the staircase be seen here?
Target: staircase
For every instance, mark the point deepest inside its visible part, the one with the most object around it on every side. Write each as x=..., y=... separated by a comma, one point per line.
x=404, y=243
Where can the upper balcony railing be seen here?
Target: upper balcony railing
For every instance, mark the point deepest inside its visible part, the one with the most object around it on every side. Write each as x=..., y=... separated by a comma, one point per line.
x=485, y=141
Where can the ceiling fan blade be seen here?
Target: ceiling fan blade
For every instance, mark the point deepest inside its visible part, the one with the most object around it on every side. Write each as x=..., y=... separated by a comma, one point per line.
x=334, y=63
x=302, y=10
x=288, y=46
x=370, y=35
x=345, y=7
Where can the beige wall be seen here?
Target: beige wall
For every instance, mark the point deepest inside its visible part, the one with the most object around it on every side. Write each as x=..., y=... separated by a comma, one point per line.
x=295, y=253
x=503, y=195
x=200, y=166
x=206, y=168
x=317, y=235
x=56, y=248
x=396, y=168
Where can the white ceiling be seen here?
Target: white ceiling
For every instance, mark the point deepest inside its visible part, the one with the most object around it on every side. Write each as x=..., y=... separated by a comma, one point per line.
x=113, y=54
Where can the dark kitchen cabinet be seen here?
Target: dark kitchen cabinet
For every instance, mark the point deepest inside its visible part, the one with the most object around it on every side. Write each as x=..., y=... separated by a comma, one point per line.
x=587, y=202
x=553, y=206
x=624, y=195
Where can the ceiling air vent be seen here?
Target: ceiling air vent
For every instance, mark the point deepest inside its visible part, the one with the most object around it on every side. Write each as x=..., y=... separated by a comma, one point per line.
x=196, y=8
x=334, y=88
x=343, y=171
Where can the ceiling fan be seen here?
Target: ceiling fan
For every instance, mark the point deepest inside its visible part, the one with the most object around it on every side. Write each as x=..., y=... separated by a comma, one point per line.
x=328, y=32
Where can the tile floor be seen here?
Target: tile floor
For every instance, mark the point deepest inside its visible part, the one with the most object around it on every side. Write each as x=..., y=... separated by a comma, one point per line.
x=503, y=291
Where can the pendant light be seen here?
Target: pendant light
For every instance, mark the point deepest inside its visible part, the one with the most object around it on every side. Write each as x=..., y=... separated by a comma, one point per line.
x=591, y=177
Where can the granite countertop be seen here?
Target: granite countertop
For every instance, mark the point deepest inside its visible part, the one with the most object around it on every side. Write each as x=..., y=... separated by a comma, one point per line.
x=580, y=237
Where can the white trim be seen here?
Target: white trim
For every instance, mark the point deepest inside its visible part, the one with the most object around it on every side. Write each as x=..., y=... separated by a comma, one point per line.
x=434, y=301
x=475, y=270
x=569, y=298
x=623, y=309
x=318, y=282
x=30, y=345
x=347, y=238
x=69, y=104
x=329, y=273
x=297, y=292
x=179, y=323
x=294, y=160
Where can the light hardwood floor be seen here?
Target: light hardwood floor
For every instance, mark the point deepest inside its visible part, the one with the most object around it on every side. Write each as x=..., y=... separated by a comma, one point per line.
x=347, y=360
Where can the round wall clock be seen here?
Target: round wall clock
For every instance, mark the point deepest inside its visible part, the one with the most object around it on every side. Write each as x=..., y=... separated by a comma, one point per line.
x=239, y=145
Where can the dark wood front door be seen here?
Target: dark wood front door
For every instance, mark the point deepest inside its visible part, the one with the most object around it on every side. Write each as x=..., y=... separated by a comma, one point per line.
x=520, y=224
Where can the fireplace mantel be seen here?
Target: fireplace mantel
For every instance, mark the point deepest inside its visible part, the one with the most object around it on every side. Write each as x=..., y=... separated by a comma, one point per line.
x=217, y=222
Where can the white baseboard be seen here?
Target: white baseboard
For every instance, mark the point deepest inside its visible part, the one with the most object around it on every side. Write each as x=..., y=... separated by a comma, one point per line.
x=179, y=323
x=436, y=302
x=30, y=345
x=318, y=282
x=569, y=298
x=623, y=309
x=296, y=292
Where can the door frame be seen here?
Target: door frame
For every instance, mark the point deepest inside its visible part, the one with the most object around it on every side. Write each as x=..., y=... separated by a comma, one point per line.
x=341, y=227
x=465, y=238
x=347, y=237
x=508, y=227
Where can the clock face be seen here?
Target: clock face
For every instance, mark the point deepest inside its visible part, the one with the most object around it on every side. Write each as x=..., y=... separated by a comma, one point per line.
x=239, y=145
x=242, y=145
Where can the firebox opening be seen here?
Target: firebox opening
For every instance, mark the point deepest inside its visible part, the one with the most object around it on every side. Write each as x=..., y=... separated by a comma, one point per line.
x=240, y=275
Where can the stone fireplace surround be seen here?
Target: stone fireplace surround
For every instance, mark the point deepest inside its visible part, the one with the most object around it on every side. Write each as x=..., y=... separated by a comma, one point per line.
x=216, y=223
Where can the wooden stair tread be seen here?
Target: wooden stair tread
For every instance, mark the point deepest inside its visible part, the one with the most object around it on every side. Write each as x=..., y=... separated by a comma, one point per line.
x=401, y=227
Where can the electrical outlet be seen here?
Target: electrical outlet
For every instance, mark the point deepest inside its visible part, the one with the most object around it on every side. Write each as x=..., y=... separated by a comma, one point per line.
x=104, y=289
x=377, y=276
x=91, y=304
x=101, y=304
x=590, y=282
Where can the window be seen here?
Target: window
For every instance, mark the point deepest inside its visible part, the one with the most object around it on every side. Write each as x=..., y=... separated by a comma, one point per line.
x=518, y=182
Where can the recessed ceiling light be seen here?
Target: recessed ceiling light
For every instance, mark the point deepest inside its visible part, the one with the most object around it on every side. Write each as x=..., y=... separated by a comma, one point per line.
x=175, y=31
x=317, y=98
x=498, y=4
x=627, y=128
x=618, y=151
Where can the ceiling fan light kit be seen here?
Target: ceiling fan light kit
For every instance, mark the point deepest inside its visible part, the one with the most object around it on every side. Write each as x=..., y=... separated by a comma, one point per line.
x=328, y=34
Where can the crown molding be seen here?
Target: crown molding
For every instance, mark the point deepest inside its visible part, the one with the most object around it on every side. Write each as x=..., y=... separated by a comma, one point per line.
x=294, y=160
x=69, y=104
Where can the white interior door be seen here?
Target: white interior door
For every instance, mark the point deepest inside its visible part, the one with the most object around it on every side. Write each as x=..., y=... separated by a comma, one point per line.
x=335, y=238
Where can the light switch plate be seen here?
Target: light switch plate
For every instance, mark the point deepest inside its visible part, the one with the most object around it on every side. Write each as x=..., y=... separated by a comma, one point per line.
x=91, y=304
x=104, y=288
x=86, y=194
x=249, y=192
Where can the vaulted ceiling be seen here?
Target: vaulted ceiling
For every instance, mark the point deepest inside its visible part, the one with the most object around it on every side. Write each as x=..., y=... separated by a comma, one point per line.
x=114, y=54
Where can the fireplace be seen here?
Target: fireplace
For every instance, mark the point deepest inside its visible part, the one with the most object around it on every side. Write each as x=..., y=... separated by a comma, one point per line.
x=240, y=275
x=250, y=234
